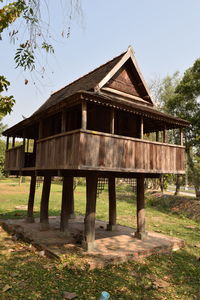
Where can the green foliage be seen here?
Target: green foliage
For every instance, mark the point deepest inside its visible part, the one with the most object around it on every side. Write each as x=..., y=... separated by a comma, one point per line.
x=2, y=157
x=6, y=102
x=35, y=35
x=185, y=104
x=49, y=48
x=180, y=97
x=9, y=13
x=32, y=276
x=167, y=89
x=25, y=57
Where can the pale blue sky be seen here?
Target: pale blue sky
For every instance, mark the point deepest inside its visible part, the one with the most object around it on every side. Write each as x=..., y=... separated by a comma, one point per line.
x=164, y=34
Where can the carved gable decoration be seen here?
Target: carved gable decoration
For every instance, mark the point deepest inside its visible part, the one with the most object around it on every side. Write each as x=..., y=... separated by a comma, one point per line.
x=123, y=81
x=126, y=80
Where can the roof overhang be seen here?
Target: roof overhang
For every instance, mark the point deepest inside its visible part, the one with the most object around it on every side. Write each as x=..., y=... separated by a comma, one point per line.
x=151, y=113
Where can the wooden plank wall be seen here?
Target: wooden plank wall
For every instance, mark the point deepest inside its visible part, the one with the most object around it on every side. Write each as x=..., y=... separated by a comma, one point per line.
x=58, y=152
x=14, y=158
x=123, y=154
x=92, y=150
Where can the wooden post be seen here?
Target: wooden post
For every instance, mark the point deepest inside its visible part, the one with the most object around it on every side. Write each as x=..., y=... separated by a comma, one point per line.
x=44, y=205
x=30, y=217
x=40, y=133
x=34, y=146
x=67, y=203
x=24, y=143
x=71, y=201
x=7, y=142
x=27, y=145
x=13, y=142
x=84, y=115
x=63, y=121
x=165, y=137
x=157, y=136
x=112, y=121
x=140, y=233
x=112, y=204
x=181, y=136
x=91, y=191
x=142, y=129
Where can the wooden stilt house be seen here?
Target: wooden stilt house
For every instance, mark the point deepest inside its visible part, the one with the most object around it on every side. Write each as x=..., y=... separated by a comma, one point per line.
x=96, y=127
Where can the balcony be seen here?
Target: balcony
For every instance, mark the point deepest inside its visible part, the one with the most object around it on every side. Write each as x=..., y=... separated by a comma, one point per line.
x=16, y=159
x=91, y=150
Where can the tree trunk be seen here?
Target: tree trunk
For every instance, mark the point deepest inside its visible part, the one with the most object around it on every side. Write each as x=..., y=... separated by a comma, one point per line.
x=161, y=182
x=196, y=182
x=178, y=185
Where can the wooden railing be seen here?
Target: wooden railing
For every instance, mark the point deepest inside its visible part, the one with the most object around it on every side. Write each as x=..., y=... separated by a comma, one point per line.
x=60, y=151
x=14, y=159
x=89, y=150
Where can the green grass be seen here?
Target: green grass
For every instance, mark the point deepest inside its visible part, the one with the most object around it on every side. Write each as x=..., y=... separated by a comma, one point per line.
x=31, y=276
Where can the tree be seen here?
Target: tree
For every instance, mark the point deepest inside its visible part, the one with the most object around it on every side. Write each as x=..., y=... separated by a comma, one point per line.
x=37, y=36
x=163, y=90
x=183, y=102
x=2, y=148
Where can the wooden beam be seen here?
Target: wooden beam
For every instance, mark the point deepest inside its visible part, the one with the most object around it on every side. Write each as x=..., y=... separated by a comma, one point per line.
x=30, y=217
x=71, y=202
x=91, y=191
x=140, y=233
x=140, y=100
x=24, y=142
x=44, y=205
x=40, y=132
x=140, y=75
x=157, y=136
x=34, y=146
x=165, y=136
x=13, y=142
x=142, y=129
x=113, y=71
x=7, y=143
x=63, y=121
x=112, y=121
x=112, y=204
x=27, y=145
x=67, y=200
x=181, y=136
x=84, y=115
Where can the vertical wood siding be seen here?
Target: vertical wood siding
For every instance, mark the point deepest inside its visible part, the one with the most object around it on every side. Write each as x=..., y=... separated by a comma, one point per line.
x=14, y=158
x=123, y=154
x=59, y=152
x=89, y=150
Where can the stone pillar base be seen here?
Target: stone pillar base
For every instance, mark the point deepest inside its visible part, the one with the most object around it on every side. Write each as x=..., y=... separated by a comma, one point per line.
x=111, y=227
x=141, y=235
x=88, y=246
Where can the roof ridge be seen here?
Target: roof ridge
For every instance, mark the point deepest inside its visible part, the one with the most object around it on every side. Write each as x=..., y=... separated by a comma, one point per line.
x=90, y=72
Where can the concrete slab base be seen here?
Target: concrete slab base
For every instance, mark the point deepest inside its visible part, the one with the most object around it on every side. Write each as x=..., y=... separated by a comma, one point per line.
x=111, y=247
